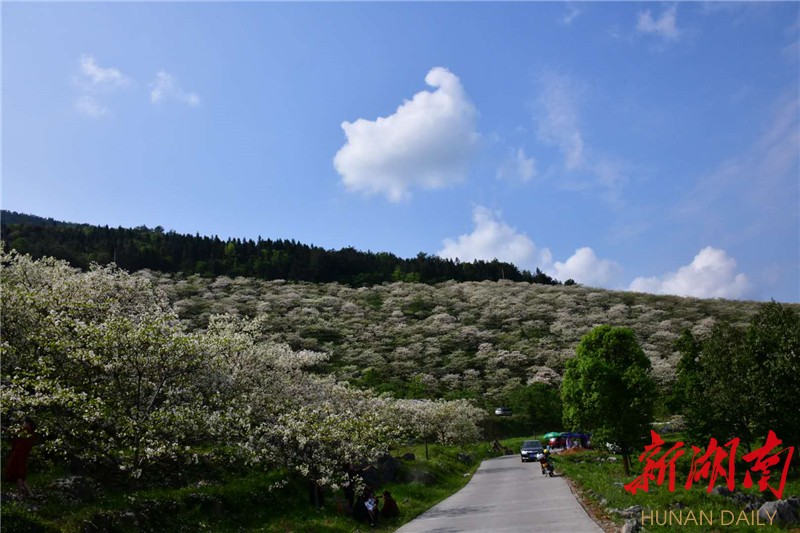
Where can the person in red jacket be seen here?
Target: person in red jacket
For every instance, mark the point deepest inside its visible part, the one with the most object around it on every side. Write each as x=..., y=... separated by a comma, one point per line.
x=17, y=464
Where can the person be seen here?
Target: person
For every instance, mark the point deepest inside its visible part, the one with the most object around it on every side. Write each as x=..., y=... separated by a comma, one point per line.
x=389, y=509
x=360, y=510
x=17, y=464
x=371, y=504
x=545, y=461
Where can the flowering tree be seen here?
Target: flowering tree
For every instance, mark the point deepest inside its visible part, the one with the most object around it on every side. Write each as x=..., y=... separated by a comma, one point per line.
x=101, y=362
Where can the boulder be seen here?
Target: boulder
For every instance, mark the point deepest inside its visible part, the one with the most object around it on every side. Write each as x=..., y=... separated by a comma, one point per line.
x=633, y=512
x=630, y=526
x=786, y=512
x=416, y=475
x=466, y=458
x=721, y=490
x=388, y=468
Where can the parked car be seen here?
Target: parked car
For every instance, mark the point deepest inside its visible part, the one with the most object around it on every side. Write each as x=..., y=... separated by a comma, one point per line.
x=502, y=411
x=530, y=449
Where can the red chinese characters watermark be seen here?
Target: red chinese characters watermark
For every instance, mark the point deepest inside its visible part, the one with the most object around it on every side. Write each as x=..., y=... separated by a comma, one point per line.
x=764, y=461
x=715, y=463
x=656, y=469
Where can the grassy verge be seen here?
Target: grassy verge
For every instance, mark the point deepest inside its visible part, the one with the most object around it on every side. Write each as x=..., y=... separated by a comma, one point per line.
x=600, y=482
x=244, y=501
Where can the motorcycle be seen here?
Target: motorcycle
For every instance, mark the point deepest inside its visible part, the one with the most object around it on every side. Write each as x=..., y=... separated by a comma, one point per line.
x=547, y=466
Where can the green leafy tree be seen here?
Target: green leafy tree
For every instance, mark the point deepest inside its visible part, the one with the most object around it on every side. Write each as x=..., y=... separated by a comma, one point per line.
x=773, y=340
x=607, y=389
x=716, y=378
x=539, y=403
x=740, y=382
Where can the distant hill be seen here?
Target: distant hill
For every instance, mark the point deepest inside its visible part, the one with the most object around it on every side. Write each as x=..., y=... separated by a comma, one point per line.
x=167, y=251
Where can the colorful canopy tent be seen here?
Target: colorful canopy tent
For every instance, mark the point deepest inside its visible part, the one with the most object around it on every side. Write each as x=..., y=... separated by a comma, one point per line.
x=552, y=435
x=571, y=439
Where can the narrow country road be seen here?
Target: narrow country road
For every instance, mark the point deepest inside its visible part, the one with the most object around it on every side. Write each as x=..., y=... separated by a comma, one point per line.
x=506, y=495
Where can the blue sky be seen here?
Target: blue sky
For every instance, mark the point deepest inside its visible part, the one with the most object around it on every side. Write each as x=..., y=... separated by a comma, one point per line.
x=644, y=146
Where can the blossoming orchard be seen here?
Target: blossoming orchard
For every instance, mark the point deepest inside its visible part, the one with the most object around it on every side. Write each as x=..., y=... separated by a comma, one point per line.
x=117, y=383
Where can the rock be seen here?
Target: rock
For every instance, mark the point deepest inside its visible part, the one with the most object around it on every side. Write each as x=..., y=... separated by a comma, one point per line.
x=754, y=506
x=679, y=505
x=634, y=512
x=618, y=484
x=721, y=490
x=603, y=503
x=416, y=475
x=388, y=468
x=786, y=512
x=466, y=458
x=630, y=526
x=409, y=457
x=612, y=459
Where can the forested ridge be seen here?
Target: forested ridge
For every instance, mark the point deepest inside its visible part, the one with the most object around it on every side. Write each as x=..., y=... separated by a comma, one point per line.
x=140, y=248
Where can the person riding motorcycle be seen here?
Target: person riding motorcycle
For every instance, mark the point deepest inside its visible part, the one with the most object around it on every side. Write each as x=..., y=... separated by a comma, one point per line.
x=545, y=462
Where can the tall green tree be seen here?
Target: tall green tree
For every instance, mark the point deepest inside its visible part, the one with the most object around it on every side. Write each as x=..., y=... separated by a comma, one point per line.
x=773, y=340
x=608, y=390
x=742, y=382
x=716, y=376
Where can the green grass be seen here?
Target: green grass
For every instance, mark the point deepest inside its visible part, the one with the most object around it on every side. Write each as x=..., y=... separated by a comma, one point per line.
x=599, y=479
x=243, y=501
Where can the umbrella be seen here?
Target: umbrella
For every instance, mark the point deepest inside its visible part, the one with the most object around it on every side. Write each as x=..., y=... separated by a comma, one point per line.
x=552, y=435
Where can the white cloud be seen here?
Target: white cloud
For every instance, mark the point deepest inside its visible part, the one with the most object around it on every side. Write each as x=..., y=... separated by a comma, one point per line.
x=426, y=143
x=556, y=112
x=559, y=123
x=572, y=13
x=491, y=239
x=165, y=88
x=586, y=268
x=663, y=26
x=712, y=274
x=91, y=107
x=95, y=76
x=520, y=167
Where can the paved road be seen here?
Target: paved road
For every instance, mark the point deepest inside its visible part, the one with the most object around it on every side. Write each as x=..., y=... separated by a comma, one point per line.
x=506, y=495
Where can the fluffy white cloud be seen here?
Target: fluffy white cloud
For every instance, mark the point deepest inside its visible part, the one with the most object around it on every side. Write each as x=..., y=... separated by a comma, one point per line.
x=90, y=107
x=712, y=274
x=491, y=239
x=426, y=143
x=663, y=26
x=165, y=87
x=93, y=75
x=586, y=268
x=520, y=167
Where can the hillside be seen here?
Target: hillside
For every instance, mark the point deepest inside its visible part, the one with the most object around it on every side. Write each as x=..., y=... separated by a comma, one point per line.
x=481, y=340
x=464, y=333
